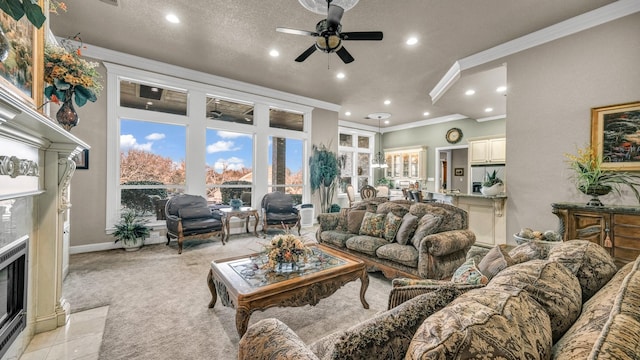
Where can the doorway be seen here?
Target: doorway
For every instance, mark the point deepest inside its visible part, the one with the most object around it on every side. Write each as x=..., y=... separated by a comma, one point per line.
x=445, y=161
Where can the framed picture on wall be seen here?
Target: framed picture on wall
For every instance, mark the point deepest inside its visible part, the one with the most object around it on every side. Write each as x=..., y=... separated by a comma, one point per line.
x=21, y=73
x=615, y=135
x=458, y=171
x=82, y=159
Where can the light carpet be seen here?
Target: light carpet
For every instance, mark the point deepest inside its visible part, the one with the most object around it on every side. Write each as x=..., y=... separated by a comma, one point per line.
x=158, y=301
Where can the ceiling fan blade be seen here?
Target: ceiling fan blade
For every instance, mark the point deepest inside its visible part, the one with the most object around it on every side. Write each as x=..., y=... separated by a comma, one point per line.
x=334, y=16
x=306, y=53
x=296, y=32
x=361, y=35
x=344, y=55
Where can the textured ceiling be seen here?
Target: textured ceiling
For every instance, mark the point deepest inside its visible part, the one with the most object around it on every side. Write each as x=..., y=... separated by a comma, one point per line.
x=233, y=39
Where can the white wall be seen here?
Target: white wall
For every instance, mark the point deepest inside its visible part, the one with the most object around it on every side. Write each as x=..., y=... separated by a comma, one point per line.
x=552, y=89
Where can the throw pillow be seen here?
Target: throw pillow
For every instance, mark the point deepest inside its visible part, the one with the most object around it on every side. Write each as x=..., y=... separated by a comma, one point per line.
x=194, y=212
x=427, y=225
x=496, y=260
x=354, y=221
x=468, y=273
x=372, y=224
x=391, y=225
x=407, y=227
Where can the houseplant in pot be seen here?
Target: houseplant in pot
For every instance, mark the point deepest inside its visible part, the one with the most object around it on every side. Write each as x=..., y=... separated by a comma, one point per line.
x=591, y=179
x=131, y=231
x=492, y=184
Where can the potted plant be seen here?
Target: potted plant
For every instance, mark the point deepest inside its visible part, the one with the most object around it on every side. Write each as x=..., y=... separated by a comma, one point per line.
x=324, y=169
x=592, y=180
x=131, y=231
x=492, y=184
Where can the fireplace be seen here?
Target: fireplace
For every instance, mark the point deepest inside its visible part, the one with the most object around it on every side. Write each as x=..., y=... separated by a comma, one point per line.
x=13, y=291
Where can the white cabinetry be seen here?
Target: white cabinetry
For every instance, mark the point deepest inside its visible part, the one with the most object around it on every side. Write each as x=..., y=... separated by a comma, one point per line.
x=410, y=163
x=487, y=151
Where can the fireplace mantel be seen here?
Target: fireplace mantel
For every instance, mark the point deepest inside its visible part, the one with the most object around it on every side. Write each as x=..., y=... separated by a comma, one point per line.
x=35, y=162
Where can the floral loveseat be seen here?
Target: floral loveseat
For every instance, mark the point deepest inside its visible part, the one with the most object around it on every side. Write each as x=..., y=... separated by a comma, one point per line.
x=569, y=302
x=400, y=238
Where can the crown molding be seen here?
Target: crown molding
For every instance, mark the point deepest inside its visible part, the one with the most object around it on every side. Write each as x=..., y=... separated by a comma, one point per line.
x=490, y=118
x=138, y=62
x=568, y=27
x=427, y=122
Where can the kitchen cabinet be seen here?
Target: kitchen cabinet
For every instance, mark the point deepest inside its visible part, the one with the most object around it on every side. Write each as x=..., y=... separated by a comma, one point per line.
x=616, y=228
x=487, y=151
x=406, y=163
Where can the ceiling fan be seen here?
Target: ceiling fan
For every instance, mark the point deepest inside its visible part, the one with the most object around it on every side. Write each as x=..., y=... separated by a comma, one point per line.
x=329, y=35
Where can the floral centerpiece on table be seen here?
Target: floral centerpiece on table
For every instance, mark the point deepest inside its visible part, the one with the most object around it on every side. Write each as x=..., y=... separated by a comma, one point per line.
x=592, y=180
x=285, y=248
x=68, y=75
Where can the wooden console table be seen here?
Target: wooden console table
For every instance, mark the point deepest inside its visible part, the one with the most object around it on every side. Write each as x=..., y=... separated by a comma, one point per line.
x=620, y=224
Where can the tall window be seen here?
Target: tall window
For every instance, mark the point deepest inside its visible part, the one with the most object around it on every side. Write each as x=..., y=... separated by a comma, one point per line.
x=229, y=166
x=355, y=152
x=168, y=135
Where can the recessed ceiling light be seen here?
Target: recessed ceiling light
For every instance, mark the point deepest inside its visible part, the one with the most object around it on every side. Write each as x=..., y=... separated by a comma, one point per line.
x=340, y=75
x=386, y=122
x=426, y=113
x=348, y=113
x=274, y=53
x=387, y=102
x=470, y=92
x=172, y=19
x=412, y=40
x=501, y=89
x=489, y=109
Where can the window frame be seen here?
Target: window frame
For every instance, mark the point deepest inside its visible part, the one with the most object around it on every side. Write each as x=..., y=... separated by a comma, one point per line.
x=355, y=151
x=196, y=124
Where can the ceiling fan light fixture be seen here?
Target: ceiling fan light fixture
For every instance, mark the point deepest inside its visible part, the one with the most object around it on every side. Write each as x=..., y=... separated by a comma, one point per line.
x=321, y=6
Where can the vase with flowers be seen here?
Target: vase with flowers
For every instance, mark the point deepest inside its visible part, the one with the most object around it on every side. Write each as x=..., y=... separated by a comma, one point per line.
x=286, y=250
x=594, y=181
x=70, y=79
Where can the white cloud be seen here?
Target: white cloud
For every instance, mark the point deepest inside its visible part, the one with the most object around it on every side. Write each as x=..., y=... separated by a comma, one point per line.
x=128, y=141
x=232, y=163
x=232, y=135
x=220, y=146
x=155, y=137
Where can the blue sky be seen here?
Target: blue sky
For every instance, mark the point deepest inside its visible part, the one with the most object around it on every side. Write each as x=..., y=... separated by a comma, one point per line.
x=235, y=150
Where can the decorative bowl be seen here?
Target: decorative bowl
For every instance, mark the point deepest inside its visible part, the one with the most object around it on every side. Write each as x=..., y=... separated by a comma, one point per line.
x=235, y=203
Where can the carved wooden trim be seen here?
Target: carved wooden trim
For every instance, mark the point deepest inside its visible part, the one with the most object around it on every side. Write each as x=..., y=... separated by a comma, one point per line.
x=14, y=167
x=67, y=167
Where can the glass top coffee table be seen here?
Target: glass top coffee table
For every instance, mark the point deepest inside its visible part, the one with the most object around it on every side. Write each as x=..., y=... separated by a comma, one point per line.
x=242, y=284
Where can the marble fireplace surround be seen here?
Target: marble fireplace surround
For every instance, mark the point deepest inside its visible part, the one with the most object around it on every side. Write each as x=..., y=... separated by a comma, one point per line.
x=35, y=169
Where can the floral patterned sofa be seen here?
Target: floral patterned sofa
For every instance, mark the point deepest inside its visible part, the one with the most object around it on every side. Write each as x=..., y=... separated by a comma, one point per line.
x=400, y=238
x=568, y=302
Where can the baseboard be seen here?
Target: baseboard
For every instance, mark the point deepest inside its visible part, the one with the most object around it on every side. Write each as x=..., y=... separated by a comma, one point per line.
x=79, y=249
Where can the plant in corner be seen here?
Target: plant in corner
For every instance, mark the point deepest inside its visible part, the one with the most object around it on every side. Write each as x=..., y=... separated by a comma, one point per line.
x=131, y=230
x=324, y=169
x=592, y=180
x=492, y=184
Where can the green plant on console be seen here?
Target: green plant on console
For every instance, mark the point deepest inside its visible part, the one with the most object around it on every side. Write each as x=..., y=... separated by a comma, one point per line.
x=130, y=229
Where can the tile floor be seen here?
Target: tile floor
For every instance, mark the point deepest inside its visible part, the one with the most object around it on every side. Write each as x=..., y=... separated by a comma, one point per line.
x=80, y=339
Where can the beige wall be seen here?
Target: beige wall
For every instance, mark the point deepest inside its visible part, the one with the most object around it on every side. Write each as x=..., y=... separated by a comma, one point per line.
x=552, y=89
x=89, y=187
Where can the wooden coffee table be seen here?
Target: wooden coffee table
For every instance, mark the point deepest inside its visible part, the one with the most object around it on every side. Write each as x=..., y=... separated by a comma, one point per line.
x=241, y=284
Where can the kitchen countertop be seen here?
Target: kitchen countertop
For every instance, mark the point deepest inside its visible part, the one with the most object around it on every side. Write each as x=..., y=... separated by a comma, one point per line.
x=473, y=195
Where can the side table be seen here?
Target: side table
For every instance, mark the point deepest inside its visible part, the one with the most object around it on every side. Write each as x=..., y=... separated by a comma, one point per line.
x=241, y=213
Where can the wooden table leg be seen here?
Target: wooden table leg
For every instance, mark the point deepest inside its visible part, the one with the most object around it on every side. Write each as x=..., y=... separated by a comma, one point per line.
x=242, y=319
x=226, y=226
x=212, y=289
x=364, y=285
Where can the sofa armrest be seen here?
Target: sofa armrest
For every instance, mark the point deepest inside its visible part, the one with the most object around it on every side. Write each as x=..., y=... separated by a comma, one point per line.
x=401, y=294
x=172, y=222
x=273, y=340
x=447, y=242
x=328, y=221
